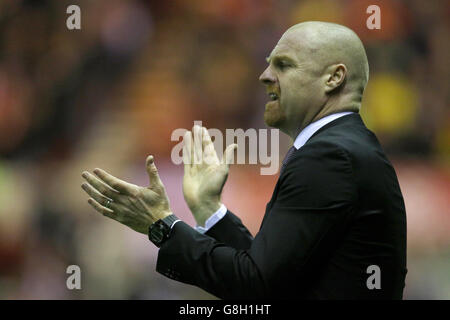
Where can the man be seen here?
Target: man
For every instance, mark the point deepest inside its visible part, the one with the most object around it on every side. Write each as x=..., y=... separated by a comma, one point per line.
x=335, y=227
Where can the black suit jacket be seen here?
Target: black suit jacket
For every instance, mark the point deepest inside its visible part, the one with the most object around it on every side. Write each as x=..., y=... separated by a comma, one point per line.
x=336, y=209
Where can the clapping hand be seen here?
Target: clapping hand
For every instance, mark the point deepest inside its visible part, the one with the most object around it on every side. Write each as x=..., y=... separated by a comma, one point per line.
x=204, y=175
x=134, y=206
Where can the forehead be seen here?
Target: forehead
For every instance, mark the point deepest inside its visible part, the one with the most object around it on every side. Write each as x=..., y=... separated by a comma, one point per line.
x=289, y=44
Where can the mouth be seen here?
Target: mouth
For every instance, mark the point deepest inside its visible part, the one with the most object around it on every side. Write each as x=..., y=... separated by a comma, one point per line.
x=273, y=96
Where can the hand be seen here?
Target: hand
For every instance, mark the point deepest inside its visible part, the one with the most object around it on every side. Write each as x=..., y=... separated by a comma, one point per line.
x=134, y=206
x=204, y=175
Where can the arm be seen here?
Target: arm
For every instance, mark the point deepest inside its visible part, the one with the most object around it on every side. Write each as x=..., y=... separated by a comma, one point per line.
x=230, y=231
x=301, y=231
x=305, y=224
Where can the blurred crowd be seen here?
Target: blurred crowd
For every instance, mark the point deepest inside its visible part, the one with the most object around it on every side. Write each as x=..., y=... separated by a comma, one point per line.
x=113, y=92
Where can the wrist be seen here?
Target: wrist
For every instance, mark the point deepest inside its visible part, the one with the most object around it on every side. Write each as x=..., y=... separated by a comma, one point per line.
x=165, y=214
x=159, y=216
x=205, y=210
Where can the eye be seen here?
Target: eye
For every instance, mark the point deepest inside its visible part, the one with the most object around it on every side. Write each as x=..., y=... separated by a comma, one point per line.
x=282, y=65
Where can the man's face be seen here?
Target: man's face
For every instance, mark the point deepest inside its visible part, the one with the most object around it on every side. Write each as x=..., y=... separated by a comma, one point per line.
x=292, y=83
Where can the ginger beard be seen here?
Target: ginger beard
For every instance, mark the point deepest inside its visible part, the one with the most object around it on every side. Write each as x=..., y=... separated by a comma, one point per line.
x=274, y=115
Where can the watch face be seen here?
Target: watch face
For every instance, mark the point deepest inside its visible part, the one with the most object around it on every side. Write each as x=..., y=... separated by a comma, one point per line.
x=159, y=231
x=157, y=234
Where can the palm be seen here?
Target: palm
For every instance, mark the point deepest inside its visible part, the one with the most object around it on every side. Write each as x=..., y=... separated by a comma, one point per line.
x=204, y=175
x=204, y=181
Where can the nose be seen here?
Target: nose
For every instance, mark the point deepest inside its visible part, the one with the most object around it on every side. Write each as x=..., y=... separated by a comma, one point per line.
x=267, y=77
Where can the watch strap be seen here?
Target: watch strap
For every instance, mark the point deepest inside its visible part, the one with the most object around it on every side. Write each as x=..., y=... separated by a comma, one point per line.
x=170, y=220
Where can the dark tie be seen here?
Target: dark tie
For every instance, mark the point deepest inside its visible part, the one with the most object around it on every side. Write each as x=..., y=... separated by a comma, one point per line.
x=288, y=157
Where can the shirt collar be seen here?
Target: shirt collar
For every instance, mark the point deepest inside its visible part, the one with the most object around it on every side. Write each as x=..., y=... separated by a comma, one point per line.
x=311, y=128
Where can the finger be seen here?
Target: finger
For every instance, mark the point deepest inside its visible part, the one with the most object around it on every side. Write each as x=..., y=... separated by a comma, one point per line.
x=99, y=185
x=209, y=153
x=197, y=144
x=153, y=175
x=187, y=150
x=98, y=207
x=208, y=145
x=115, y=183
x=97, y=196
x=229, y=154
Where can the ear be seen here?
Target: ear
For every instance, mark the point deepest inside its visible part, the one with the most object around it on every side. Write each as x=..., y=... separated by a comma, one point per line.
x=335, y=77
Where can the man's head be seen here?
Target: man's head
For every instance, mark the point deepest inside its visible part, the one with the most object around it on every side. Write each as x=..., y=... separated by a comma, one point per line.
x=316, y=69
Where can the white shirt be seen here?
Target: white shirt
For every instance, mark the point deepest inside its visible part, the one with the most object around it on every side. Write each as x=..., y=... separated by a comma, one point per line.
x=299, y=142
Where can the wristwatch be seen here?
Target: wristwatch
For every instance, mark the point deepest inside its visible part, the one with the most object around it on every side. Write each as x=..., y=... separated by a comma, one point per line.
x=159, y=231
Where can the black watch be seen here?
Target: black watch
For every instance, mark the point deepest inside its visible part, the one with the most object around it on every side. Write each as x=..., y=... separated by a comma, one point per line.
x=159, y=231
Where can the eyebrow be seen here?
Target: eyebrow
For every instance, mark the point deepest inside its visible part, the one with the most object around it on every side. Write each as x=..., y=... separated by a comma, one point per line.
x=279, y=57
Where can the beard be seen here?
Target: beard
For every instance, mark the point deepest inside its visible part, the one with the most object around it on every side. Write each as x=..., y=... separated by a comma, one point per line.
x=273, y=115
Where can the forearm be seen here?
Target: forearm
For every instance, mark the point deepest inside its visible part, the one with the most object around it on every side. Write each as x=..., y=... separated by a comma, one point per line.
x=230, y=231
x=204, y=262
x=294, y=242
x=227, y=228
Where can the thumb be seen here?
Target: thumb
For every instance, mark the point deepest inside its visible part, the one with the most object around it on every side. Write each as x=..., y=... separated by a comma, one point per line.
x=229, y=154
x=152, y=172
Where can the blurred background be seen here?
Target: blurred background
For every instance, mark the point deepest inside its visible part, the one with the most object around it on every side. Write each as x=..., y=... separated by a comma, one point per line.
x=113, y=92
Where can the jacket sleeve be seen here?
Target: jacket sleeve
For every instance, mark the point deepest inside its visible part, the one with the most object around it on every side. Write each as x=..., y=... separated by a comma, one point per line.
x=230, y=231
x=315, y=198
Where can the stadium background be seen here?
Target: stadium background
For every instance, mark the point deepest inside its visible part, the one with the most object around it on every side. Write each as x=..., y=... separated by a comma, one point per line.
x=111, y=93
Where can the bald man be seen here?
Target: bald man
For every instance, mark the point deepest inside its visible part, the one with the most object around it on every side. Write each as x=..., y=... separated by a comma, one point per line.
x=335, y=227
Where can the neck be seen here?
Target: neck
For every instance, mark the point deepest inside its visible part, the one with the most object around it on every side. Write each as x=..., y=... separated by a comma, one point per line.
x=326, y=110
